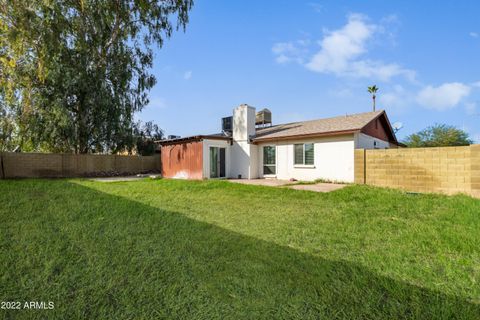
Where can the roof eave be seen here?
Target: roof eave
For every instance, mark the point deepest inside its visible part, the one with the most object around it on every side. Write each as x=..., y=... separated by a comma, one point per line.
x=306, y=136
x=191, y=139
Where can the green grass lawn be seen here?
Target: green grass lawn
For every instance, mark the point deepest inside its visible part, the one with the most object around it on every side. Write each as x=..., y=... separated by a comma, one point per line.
x=217, y=250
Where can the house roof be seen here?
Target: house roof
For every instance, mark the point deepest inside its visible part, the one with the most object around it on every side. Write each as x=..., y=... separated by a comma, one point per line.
x=215, y=136
x=313, y=128
x=345, y=124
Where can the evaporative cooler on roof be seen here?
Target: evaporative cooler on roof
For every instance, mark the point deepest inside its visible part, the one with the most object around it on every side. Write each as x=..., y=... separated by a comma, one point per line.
x=227, y=124
x=263, y=117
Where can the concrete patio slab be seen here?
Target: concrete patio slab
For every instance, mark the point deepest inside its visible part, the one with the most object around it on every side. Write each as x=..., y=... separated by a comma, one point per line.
x=319, y=187
x=262, y=182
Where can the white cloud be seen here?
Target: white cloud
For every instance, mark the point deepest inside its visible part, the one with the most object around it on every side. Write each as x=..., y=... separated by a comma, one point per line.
x=339, y=47
x=290, y=51
x=473, y=34
x=341, y=51
x=398, y=98
x=282, y=59
x=379, y=70
x=187, y=75
x=443, y=97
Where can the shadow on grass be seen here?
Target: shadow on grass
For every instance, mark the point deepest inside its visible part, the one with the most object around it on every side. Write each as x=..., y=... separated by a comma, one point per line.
x=102, y=256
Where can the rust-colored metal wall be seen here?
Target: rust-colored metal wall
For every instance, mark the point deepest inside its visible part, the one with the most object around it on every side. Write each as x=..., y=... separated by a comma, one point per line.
x=183, y=160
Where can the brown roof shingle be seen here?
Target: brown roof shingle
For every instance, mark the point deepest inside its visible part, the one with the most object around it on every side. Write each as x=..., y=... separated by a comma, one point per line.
x=340, y=124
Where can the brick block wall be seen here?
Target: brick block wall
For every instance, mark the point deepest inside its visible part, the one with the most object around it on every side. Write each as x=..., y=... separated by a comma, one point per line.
x=126, y=165
x=475, y=169
x=87, y=163
x=447, y=170
x=359, y=166
x=151, y=162
x=47, y=165
x=32, y=165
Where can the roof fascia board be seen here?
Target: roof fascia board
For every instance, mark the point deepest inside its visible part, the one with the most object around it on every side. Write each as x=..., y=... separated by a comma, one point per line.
x=191, y=139
x=306, y=136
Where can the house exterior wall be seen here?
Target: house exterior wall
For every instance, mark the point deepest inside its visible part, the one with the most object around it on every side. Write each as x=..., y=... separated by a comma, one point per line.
x=207, y=143
x=254, y=164
x=244, y=160
x=183, y=160
x=364, y=141
x=333, y=159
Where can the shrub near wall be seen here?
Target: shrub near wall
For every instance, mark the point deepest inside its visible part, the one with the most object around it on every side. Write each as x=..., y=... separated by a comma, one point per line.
x=447, y=170
x=49, y=165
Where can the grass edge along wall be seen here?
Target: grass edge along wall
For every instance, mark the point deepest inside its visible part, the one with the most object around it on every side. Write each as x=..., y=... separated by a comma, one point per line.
x=447, y=170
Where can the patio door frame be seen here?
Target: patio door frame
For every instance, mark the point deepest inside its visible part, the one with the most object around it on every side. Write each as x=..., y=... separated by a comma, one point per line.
x=217, y=162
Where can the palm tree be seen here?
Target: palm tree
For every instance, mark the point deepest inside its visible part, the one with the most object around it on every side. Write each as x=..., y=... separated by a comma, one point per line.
x=373, y=90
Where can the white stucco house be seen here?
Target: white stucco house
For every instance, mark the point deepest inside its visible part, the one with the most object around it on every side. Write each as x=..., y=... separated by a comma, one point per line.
x=250, y=147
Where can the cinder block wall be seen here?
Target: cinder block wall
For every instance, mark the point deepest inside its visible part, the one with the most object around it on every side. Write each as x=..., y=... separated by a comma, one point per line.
x=447, y=170
x=47, y=165
x=359, y=166
x=475, y=169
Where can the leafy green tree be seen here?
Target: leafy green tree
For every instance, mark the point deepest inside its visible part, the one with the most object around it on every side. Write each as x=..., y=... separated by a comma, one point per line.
x=74, y=72
x=7, y=130
x=145, y=135
x=439, y=135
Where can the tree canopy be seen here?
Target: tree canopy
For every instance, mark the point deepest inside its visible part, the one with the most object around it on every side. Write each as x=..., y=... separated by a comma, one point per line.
x=439, y=135
x=74, y=72
x=145, y=136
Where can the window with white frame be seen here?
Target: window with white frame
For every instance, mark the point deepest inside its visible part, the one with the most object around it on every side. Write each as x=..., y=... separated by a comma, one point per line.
x=269, y=160
x=304, y=154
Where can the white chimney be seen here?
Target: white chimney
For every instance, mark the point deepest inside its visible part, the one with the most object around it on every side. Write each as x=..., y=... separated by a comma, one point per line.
x=243, y=154
x=243, y=122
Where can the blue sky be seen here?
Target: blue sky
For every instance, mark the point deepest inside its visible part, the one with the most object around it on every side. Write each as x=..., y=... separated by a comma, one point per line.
x=312, y=59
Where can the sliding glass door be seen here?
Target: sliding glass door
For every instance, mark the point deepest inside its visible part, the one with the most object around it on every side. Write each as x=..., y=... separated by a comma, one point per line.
x=217, y=162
